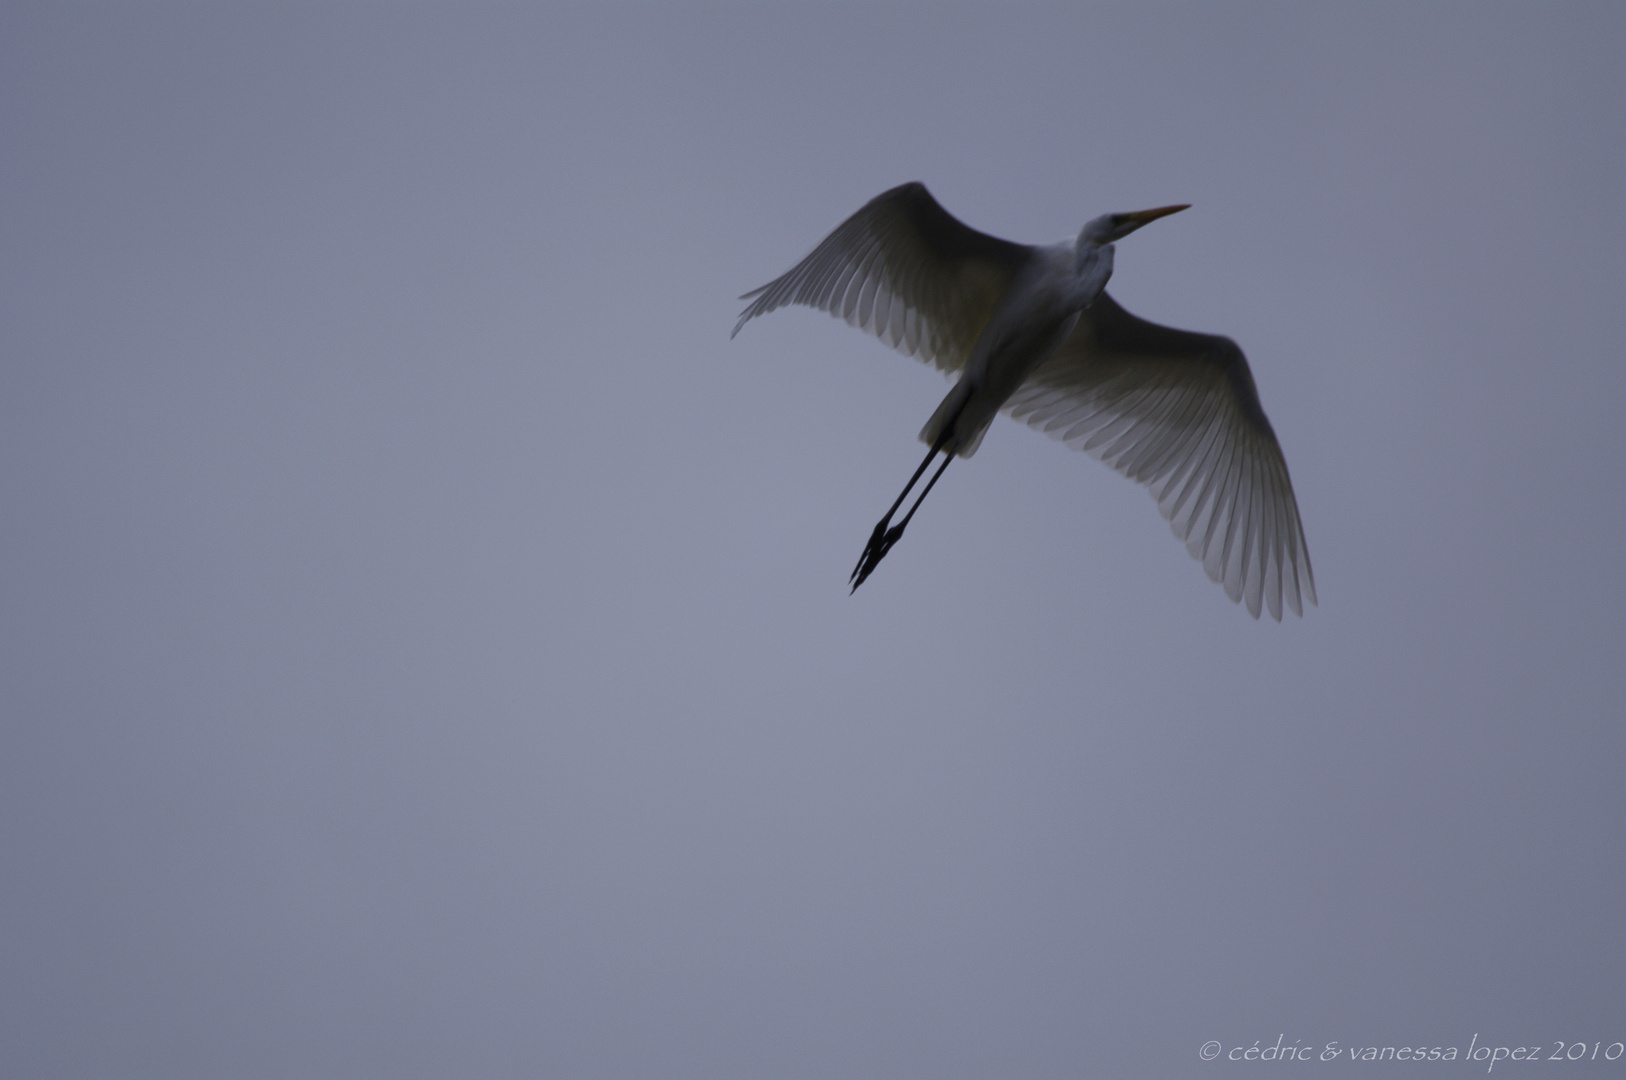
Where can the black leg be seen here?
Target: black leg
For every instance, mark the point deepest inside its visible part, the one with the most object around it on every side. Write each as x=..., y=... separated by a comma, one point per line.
x=880, y=527
x=881, y=541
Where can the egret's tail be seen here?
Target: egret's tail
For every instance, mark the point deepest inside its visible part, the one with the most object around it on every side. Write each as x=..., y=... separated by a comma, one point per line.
x=953, y=427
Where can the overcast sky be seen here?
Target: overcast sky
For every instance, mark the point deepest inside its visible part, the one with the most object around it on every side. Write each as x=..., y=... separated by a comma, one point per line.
x=426, y=648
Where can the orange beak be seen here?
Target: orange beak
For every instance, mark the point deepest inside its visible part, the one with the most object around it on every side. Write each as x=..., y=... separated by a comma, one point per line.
x=1141, y=217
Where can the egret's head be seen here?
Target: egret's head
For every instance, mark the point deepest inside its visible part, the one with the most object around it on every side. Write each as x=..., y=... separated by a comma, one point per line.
x=1111, y=227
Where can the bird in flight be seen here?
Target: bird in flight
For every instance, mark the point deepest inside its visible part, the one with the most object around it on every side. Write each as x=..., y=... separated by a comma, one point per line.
x=1032, y=332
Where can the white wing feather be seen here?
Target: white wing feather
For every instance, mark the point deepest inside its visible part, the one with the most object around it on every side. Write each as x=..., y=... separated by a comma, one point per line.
x=903, y=269
x=1178, y=412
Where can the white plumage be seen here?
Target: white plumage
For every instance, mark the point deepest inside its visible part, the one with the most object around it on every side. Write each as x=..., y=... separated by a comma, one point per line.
x=1031, y=331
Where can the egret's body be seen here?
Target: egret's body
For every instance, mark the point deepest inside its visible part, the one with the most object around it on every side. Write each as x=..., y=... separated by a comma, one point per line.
x=1034, y=315
x=1032, y=331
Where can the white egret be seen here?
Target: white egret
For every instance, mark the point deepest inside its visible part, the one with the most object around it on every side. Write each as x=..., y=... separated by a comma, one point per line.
x=1031, y=331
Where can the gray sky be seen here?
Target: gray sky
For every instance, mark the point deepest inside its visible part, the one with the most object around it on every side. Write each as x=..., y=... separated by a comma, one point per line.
x=427, y=649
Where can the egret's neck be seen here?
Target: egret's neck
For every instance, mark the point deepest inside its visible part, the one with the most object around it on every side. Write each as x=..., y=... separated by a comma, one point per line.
x=1090, y=251
x=1093, y=267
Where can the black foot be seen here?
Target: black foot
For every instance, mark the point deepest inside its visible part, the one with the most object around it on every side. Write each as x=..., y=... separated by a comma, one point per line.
x=875, y=540
x=879, y=544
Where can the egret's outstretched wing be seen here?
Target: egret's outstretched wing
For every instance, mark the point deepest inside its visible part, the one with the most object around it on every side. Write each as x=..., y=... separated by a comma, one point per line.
x=1178, y=412
x=906, y=271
